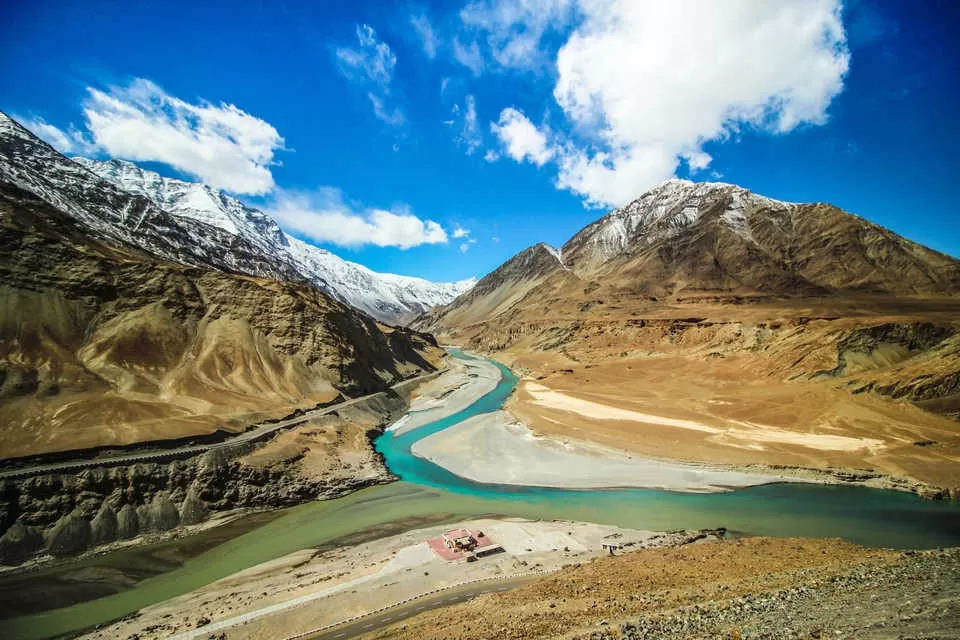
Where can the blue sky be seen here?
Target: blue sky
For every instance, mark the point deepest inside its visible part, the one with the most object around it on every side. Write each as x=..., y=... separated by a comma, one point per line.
x=438, y=139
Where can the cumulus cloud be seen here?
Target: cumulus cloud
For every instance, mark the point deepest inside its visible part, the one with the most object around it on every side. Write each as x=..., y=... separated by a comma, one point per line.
x=219, y=144
x=492, y=155
x=644, y=85
x=371, y=66
x=460, y=232
x=428, y=37
x=325, y=216
x=514, y=30
x=521, y=140
x=692, y=72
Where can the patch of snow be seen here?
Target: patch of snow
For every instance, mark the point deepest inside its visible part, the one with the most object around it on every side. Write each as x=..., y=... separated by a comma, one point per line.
x=384, y=296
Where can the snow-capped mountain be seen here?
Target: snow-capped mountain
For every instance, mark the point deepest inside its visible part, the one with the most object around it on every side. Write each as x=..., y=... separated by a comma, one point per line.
x=683, y=240
x=122, y=218
x=197, y=225
x=665, y=211
x=385, y=296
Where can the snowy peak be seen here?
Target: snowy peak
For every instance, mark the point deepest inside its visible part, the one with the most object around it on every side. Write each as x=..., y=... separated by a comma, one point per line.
x=664, y=212
x=190, y=200
x=385, y=296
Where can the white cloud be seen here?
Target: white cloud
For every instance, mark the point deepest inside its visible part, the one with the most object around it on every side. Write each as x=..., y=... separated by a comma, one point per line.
x=521, y=140
x=652, y=82
x=460, y=232
x=464, y=247
x=514, y=29
x=492, y=155
x=220, y=145
x=71, y=141
x=372, y=66
x=468, y=55
x=428, y=37
x=324, y=216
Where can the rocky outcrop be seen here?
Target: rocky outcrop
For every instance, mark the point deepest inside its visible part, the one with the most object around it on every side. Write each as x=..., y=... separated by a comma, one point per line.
x=19, y=542
x=78, y=511
x=104, y=527
x=71, y=535
x=128, y=524
x=193, y=510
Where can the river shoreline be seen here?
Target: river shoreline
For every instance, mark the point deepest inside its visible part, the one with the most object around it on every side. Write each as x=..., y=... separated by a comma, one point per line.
x=805, y=509
x=495, y=448
x=485, y=449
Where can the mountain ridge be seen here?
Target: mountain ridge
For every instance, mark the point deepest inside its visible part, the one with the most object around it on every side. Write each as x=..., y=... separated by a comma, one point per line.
x=385, y=296
x=121, y=322
x=206, y=227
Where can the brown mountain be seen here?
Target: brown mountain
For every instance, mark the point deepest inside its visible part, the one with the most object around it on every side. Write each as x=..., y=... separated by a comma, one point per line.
x=708, y=302
x=104, y=343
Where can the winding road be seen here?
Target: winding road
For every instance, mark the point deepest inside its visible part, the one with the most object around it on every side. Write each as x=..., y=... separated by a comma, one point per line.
x=249, y=435
x=444, y=598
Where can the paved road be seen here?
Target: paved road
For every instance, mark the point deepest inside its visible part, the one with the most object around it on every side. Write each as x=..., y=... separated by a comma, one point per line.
x=396, y=614
x=257, y=433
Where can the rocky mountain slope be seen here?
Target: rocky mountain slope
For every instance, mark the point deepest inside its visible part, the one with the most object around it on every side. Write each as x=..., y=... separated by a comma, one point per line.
x=684, y=239
x=385, y=296
x=771, y=324
x=121, y=322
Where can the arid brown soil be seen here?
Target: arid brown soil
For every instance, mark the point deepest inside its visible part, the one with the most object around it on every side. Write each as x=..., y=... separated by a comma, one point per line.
x=103, y=345
x=800, y=335
x=795, y=383
x=754, y=587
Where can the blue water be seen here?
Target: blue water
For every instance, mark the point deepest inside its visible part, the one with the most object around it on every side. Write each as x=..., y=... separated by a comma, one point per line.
x=867, y=516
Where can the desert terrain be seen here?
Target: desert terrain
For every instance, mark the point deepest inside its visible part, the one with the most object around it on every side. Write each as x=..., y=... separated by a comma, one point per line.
x=745, y=588
x=706, y=323
x=837, y=387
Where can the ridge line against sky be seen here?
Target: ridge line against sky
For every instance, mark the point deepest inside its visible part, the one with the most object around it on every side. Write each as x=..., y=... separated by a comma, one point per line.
x=438, y=140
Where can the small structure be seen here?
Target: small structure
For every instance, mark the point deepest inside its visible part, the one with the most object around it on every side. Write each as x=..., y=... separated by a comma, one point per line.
x=461, y=544
x=460, y=540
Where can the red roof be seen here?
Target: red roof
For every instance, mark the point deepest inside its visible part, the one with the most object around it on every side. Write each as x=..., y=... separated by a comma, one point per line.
x=456, y=534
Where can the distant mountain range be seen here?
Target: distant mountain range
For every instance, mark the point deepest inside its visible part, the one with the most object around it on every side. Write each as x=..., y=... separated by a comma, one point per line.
x=196, y=224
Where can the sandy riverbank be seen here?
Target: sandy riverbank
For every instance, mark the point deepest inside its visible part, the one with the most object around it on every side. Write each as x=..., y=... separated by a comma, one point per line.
x=713, y=412
x=309, y=589
x=466, y=382
x=496, y=448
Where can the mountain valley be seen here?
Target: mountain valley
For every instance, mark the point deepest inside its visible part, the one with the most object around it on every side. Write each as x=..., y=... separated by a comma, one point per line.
x=793, y=335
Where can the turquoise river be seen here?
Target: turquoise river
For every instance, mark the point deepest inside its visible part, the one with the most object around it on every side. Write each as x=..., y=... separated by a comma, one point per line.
x=867, y=516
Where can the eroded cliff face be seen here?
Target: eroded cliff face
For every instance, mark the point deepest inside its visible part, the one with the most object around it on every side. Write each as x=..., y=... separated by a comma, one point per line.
x=104, y=345
x=64, y=514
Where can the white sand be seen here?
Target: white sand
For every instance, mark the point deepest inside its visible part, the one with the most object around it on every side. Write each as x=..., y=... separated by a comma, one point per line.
x=545, y=397
x=493, y=448
x=465, y=383
x=822, y=441
x=745, y=433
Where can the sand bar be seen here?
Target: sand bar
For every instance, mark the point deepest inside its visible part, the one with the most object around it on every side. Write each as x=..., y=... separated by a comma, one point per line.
x=466, y=382
x=495, y=448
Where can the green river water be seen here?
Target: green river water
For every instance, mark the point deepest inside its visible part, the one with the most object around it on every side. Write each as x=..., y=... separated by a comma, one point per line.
x=867, y=516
